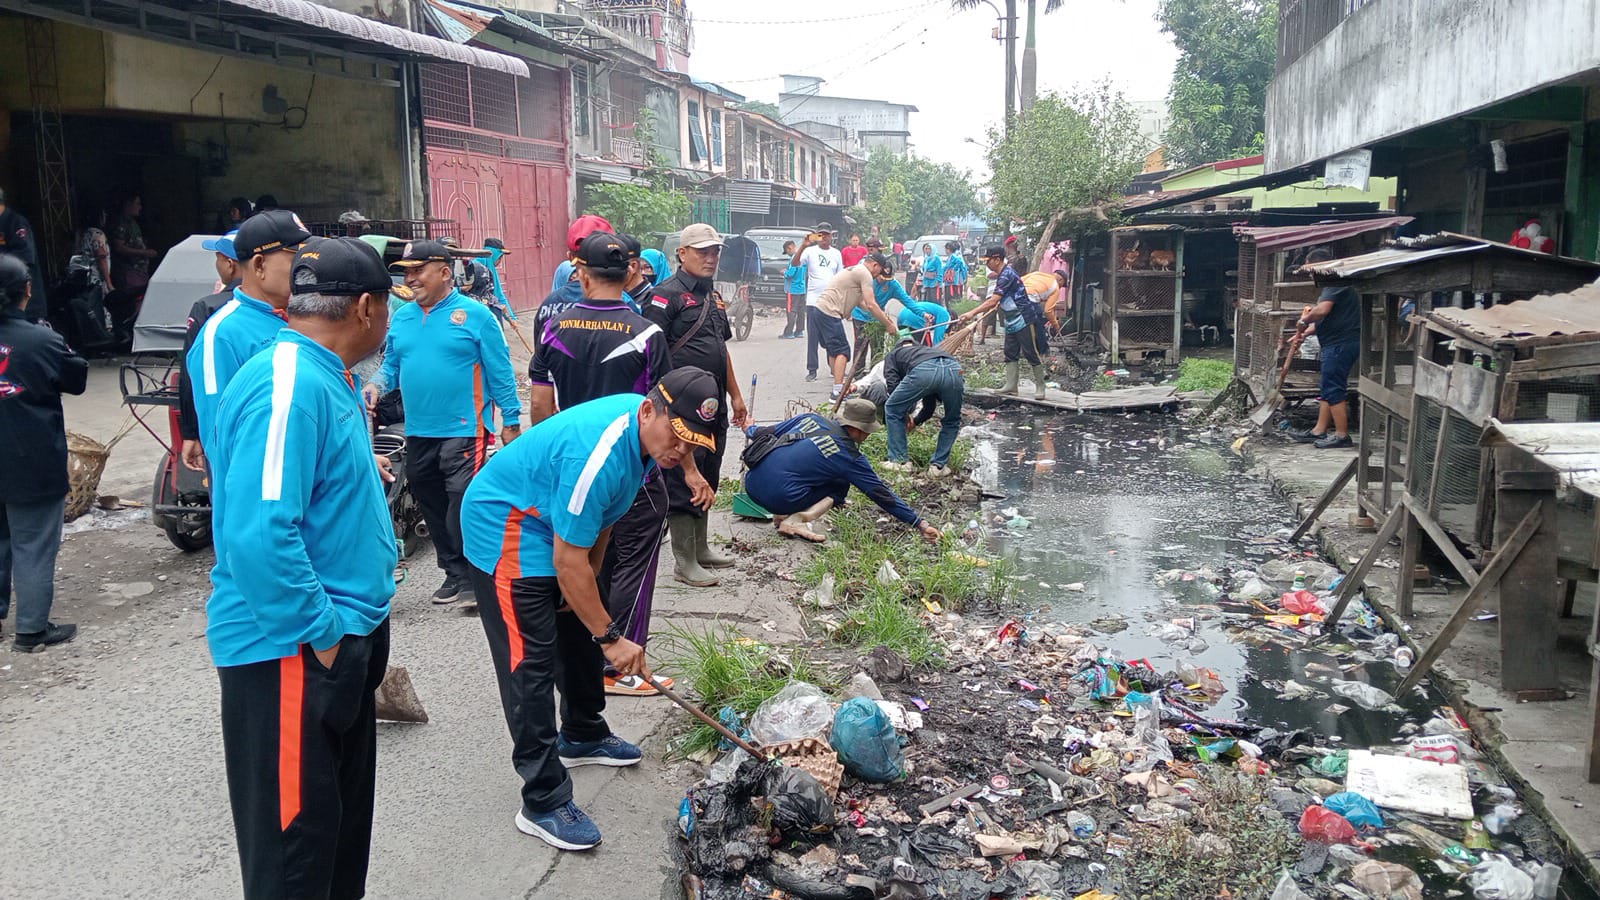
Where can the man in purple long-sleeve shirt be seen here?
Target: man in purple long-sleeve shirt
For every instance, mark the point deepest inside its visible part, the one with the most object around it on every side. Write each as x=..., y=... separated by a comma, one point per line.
x=811, y=465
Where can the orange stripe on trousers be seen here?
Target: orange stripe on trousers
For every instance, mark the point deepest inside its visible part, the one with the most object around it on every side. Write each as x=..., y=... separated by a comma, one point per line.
x=509, y=567
x=477, y=410
x=291, y=692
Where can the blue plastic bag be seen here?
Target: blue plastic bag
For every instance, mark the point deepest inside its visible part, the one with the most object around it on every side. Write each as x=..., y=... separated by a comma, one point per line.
x=866, y=742
x=1358, y=809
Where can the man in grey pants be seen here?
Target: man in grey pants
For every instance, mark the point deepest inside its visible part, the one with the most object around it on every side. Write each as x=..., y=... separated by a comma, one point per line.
x=36, y=368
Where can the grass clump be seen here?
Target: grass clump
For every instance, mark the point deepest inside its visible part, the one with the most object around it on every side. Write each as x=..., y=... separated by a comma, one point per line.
x=1104, y=382
x=1204, y=374
x=1231, y=847
x=920, y=445
x=726, y=489
x=883, y=617
x=724, y=668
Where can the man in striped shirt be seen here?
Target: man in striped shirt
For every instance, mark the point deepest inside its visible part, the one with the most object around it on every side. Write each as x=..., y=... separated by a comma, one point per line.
x=537, y=520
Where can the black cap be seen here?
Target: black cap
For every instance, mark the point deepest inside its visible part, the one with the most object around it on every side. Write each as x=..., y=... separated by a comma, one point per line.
x=494, y=244
x=883, y=262
x=265, y=232
x=631, y=245
x=992, y=252
x=874, y=242
x=342, y=267
x=603, y=251
x=824, y=226
x=420, y=253
x=13, y=273
x=693, y=401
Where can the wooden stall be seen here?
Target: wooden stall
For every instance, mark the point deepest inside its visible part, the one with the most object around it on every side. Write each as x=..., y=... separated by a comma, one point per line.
x=1141, y=308
x=1272, y=293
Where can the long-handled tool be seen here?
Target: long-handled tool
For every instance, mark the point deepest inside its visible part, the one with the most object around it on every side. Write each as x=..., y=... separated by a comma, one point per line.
x=1274, y=398
x=700, y=714
x=513, y=323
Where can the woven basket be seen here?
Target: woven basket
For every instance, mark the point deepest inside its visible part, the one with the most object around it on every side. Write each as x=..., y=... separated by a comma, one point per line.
x=86, y=462
x=815, y=758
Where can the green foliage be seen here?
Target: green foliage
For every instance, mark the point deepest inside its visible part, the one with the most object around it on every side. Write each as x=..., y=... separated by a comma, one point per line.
x=1227, y=50
x=1204, y=374
x=884, y=618
x=636, y=208
x=1069, y=151
x=909, y=196
x=727, y=669
x=1104, y=382
x=770, y=110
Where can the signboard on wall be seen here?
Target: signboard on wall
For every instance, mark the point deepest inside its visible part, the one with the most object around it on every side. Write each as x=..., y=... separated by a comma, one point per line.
x=1349, y=170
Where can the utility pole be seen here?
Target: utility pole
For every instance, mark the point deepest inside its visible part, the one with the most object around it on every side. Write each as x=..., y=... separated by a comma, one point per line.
x=1011, y=62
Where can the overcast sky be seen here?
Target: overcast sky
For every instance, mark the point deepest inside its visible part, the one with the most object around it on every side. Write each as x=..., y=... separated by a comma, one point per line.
x=944, y=63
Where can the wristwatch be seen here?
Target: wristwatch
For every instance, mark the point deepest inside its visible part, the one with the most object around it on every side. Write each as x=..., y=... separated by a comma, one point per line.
x=612, y=635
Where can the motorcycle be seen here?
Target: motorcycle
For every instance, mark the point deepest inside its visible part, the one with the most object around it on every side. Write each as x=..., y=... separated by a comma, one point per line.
x=389, y=439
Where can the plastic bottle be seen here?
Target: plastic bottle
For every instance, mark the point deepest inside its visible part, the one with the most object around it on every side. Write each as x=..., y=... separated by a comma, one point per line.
x=1403, y=657
x=1081, y=823
x=1547, y=882
x=1299, y=581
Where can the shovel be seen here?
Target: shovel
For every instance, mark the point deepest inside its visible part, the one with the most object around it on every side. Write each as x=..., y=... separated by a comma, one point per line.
x=700, y=714
x=396, y=700
x=1267, y=407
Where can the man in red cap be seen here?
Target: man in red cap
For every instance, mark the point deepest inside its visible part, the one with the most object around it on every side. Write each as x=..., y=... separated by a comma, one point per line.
x=567, y=292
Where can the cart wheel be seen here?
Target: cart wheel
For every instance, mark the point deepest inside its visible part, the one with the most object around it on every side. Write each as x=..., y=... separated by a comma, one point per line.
x=187, y=540
x=744, y=318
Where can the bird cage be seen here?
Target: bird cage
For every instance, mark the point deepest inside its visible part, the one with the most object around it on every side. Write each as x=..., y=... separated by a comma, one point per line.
x=1141, y=310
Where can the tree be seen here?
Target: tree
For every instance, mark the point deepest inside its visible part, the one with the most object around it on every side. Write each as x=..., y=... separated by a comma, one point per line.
x=1071, y=153
x=1227, y=50
x=770, y=110
x=910, y=195
x=1030, y=56
x=638, y=209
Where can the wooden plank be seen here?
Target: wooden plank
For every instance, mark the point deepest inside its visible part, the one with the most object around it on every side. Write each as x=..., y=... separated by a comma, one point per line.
x=1525, y=480
x=1530, y=610
x=1410, y=546
x=1498, y=563
x=1441, y=441
x=1375, y=393
x=1441, y=540
x=1594, y=698
x=1472, y=392
x=1431, y=380
x=1339, y=481
x=1353, y=580
x=1561, y=356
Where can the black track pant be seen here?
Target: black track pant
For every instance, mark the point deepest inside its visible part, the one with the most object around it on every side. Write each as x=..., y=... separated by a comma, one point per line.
x=438, y=471
x=537, y=650
x=299, y=741
x=628, y=575
x=1027, y=344
x=680, y=498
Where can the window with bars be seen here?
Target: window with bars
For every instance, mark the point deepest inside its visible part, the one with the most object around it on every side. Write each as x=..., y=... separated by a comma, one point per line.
x=792, y=162
x=495, y=102
x=697, y=137
x=582, y=114
x=716, y=136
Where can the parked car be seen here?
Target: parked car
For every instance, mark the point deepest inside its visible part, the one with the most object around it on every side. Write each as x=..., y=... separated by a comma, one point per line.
x=769, y=287
x=914, y=248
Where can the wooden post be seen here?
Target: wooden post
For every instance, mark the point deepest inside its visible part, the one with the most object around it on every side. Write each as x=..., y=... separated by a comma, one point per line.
x=1594, y=699
x=1177, y=302
x=1110, y=324
x=1530, y=609
x=1405, y=587
x=1323, y=502
x=1354, y=578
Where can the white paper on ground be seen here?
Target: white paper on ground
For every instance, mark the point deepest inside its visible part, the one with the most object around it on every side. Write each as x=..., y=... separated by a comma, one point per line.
x=1412, y=785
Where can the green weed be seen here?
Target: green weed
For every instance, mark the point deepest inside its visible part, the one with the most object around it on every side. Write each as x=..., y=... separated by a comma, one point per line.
x=1204, y=374
x=1104, y=382
x=920, y=445
x=724, y=668
x=884, y=618
x=726, y=490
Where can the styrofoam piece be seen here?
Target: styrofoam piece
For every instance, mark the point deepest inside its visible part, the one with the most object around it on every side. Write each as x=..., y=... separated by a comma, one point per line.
x=1411, y=785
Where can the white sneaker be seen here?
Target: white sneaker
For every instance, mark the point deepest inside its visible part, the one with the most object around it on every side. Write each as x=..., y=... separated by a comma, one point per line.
x=938, y=471
x=899, y=466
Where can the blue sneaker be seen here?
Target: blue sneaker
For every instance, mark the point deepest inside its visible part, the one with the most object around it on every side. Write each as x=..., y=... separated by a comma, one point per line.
x=608, y=751
x=564, y=828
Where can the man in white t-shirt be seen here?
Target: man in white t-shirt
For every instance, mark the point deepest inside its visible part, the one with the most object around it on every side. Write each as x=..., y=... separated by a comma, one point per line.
x=821, y=261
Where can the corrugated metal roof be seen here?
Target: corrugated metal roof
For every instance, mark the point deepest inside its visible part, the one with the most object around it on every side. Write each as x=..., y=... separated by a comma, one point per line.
x=1571, y=449
x=411, y=43
x=1410, y=251
x=1550, y=315
x=1294, y=236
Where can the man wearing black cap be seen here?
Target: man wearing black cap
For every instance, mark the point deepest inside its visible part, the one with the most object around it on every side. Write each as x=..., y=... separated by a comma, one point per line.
x=597, y=349
x=226, y=261
x=1020, y=316
x=242, y=327
x=16, y=240
x=849, y=290
x=538, y=518
x=36, y=368
x=298, y=618
x=449, y=358
x=696, y=324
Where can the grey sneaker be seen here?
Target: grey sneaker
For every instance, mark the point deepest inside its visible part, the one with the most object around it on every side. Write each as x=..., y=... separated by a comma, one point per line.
x=939, y=471
x=1332, y=441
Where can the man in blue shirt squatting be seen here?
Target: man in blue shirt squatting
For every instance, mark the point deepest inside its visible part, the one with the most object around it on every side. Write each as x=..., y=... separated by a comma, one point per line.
x=538, y=519
x=599, y=348
x=449, y=358
x=801, y=468
x=298, y=619
x=265, y=248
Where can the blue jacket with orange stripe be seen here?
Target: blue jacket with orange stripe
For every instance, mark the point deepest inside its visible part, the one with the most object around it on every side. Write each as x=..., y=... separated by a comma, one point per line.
x=305, y=545
x=452, y=366
x=238, y=330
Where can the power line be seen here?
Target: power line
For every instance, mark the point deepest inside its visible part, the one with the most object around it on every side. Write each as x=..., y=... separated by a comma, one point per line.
x=816, y=21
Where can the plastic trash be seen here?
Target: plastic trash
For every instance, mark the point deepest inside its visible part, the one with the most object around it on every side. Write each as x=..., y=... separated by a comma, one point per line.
x=862, y=685
x=1365, y=695
x=866, y=742
x=1500, y=818
x=1147, y=728
x=800, y=710
x=731, y=720
x=887, y=574
x=1334, y=764
x=1302, y=603
x=1440, y=748
x=800, y=804
x=1387, y=880
x=1319, y=823
x=1081, y=823
x=686, y=817
x=1255, y=589
x=1547, y=882
x=1495, y=878
x=1356, y=809
x=723, y=770
x=1288, y=890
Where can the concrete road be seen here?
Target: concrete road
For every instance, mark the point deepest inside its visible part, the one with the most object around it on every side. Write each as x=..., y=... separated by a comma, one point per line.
x=111, y=749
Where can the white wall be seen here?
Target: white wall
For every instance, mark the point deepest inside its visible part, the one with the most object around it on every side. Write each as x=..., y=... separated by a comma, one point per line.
x=1397, y=65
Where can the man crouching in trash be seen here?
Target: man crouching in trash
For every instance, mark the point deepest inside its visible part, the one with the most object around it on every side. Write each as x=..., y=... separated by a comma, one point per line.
x=801, y=468
x=535, y=522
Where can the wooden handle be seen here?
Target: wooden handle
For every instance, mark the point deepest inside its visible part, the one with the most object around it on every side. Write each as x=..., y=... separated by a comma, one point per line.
x=700, y=714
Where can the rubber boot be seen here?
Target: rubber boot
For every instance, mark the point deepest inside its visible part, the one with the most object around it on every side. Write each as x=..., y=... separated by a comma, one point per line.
x=685, y=567
x=707, y=555
x=1038, y=382
x=1013, y=371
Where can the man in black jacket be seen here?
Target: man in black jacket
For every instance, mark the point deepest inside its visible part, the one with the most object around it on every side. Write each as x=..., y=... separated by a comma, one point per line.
x=912, y=373
x=696, y=324
x=227, y=263
x=16, y=240
x=36, y=368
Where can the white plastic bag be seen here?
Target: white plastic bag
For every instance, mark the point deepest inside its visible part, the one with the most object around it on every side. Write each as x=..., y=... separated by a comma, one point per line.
x=1495, y=878
x=800, y=710
x=1365, y=695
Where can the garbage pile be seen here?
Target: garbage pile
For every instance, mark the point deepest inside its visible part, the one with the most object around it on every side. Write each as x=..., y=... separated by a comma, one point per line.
x=1041, y=765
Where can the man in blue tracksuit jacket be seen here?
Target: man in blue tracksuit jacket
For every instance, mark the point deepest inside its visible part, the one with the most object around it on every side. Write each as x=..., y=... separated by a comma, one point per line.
x=448, y=356
x=539, y=518
x=812, y=465
x=298, y=616
x=265, y=247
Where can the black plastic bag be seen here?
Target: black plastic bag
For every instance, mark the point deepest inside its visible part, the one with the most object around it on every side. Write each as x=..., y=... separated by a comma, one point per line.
x=800, y=804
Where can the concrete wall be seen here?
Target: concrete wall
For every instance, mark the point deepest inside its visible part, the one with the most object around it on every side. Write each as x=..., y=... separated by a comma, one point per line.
x=1397, y=65
x=856, y=115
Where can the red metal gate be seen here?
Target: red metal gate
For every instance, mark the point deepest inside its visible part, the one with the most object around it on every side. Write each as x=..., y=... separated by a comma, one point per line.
x=497, y=165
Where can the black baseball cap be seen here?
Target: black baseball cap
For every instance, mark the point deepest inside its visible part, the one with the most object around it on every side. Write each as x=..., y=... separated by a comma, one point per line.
x=993, y=252
x=631, y=244
x=693, y=402
x=265, y=232
x=420, y=253
x=602, y=251
x=495, y=244
x=823, y=227
x=13, y=272
x=343, y=267
x=883, y=262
